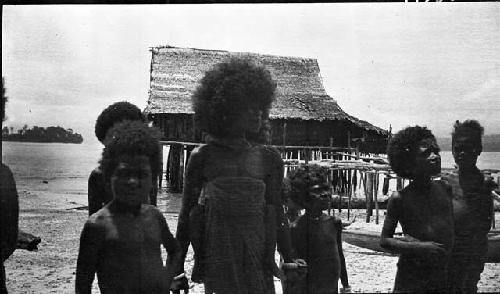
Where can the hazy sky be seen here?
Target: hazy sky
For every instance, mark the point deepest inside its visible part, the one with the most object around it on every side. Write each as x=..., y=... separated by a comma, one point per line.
x=393, y=63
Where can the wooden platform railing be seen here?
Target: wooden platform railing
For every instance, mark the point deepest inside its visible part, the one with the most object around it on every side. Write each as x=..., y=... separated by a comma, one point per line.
x=352, y=174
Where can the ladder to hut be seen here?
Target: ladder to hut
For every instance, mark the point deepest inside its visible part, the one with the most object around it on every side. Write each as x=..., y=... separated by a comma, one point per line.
x=359, y=181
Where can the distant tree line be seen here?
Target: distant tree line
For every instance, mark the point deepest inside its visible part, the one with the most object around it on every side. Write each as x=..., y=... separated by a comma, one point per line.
x=41, y=134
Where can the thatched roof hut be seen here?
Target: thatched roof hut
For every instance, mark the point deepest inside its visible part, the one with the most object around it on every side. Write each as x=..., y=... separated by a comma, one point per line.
x=303, y=113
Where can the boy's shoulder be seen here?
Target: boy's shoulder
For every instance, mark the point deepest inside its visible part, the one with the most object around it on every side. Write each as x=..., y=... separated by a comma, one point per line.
x=398, y=195
x=150, y=209
x=270, y=152
x=409, y=189
x=302, y=220
x=99, y=216
x=104, y=214
x=333, y=218
x=200, y=152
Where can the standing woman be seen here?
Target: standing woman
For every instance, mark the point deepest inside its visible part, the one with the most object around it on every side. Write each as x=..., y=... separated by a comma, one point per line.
x=472, y=207
x=236, y=182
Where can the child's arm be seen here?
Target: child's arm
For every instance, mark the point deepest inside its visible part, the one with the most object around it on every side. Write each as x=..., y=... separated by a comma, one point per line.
x=91, y=241
x=274, y=186
x=173, y=249
x=343, y=270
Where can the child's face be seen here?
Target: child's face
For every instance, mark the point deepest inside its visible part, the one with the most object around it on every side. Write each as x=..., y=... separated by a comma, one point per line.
x=465, y=150
x=319, y=196
x=427, y=159
x=131, y=180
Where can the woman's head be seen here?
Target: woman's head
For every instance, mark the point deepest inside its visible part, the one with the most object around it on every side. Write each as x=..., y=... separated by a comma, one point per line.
x=309, y=187
x=113, y=114
x=413, y=151
x=233, y=95
x=466, y=142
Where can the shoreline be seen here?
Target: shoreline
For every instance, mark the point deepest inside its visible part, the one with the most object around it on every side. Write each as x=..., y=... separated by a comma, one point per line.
x=58, y=219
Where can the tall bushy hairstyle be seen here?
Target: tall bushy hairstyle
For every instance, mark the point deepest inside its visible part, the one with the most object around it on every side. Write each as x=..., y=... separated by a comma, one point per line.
x=130, y=138
x=229, y=89
x=469, y=128
x=115, y=113
x=401, y=150
x=299, y=180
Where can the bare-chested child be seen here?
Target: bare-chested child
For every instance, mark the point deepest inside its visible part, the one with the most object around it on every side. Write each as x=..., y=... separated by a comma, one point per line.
x=122, y=241
x=316, y=236
x=98, y=193
x=424, y=210
x=472, y=207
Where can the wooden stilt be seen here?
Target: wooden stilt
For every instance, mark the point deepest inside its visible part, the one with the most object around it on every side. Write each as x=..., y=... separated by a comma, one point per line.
x=173, y=166
x=367, y=197
x=375, y=194
x=180, y=178
x=349, y=196
x=399, y=184
x=160, y=174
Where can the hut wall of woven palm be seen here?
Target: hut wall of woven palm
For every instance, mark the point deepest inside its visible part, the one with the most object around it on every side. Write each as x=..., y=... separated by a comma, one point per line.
x=303, y=113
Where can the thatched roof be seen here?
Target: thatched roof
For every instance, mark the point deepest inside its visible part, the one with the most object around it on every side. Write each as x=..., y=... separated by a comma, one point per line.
x=300, y=94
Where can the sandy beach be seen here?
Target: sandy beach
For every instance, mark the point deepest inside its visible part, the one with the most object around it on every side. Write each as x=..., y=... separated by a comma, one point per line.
x=58, y=220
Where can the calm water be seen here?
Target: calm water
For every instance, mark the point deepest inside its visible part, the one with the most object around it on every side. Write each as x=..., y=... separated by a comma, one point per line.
x=64, y=168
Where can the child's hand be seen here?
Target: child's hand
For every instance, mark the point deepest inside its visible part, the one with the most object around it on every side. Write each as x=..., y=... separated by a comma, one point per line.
x=180, y=283
x=295, y=270
x=346, y=289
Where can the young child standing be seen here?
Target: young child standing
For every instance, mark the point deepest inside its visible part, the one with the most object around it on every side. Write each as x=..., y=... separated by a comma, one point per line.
x=121, y=242
x=98, y=193
x=472, y=208
x=316, y=236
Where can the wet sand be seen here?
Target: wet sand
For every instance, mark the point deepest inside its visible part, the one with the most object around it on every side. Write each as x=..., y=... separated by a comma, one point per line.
x=58, y=220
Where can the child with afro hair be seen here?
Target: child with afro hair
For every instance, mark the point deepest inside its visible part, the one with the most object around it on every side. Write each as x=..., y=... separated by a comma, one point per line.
x=472, y=207
x=316, y=236
x=233, y=184
x=122, y=241
x=424, y=210
x=98, y=193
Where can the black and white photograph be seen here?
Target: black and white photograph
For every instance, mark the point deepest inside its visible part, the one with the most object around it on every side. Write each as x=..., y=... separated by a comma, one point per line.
x=228, y=148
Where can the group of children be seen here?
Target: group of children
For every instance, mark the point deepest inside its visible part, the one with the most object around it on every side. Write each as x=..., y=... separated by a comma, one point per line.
x=232, y=210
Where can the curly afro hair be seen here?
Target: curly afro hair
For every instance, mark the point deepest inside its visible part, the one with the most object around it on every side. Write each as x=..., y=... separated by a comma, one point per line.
x=130, y=138
x=300, y=179
x=229, y=89
x=470, y=128
x=115, y=113
x=402, y=148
